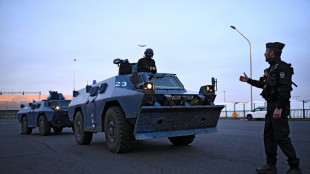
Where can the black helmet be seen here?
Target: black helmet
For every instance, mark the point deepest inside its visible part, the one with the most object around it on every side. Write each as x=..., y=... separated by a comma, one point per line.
x=148, y=50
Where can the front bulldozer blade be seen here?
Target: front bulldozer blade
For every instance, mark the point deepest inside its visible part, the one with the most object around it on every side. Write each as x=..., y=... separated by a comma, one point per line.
x=171, y=121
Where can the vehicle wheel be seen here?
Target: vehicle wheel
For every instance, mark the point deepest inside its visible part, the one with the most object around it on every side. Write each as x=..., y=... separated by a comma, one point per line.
x=118, y=131
x=182, y=140
x=250, y=118
x=82, y=137
x=25, y=128
x=44, y=126
x=57, y=130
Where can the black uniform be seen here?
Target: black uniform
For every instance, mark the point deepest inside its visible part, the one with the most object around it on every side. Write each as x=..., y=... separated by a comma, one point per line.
x=144, y=65
x=276, y=91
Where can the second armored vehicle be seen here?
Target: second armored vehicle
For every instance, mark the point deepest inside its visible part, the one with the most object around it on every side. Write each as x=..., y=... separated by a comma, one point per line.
x=135, y=106
x=45, y=114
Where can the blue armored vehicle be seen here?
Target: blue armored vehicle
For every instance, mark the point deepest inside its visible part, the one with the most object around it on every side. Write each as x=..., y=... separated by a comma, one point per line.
x=45, y=114
x=135, y=106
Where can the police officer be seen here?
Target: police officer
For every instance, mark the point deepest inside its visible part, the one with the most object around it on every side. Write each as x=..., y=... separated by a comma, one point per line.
x=276, y=85
x=147, y=64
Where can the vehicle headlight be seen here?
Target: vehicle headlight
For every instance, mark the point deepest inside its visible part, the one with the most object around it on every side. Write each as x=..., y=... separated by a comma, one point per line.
x=207, y=90
x=210, y=88
x=57, y=108
x=149, y=87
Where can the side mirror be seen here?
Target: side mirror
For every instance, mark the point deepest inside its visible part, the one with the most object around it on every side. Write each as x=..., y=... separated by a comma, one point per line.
x=75, y=93
x=22, y=106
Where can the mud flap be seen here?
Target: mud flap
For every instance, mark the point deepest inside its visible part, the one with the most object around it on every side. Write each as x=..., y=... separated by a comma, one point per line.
x=170, y=121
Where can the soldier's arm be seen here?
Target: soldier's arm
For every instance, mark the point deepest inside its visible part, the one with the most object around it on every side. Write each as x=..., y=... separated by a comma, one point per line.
x=140, y=66
x=256, y=83
x=285, y=84
x=153, y=65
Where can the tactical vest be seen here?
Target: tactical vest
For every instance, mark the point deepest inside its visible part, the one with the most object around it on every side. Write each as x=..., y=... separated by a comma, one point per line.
x=271, y=87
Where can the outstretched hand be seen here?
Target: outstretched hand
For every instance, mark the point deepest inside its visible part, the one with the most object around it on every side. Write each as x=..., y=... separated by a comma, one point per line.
x=244, y=78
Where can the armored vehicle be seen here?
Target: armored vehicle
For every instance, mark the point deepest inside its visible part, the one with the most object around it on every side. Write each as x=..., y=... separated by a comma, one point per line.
x=135, y=106
x=45, y=114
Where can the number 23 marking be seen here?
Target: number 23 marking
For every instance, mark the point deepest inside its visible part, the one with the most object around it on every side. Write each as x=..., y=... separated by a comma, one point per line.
x=120, y=83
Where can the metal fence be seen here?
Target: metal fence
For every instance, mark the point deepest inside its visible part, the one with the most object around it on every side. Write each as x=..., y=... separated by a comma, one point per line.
x=299, y=109
x=295, y=113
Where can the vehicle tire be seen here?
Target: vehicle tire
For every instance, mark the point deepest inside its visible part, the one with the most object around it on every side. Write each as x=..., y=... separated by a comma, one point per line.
x=118, y=131
x=44, y=126
x=182, y=140
x=250, y=118
x=82, y=137
x=57, y=130
x=25, y=128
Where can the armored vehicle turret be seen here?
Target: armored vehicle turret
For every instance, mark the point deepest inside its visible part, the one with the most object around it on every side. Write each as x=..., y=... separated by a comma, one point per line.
x=135, y=106
x=45, y=114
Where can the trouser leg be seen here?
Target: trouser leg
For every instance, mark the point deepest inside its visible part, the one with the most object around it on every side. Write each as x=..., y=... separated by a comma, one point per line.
x=269, y=141
x=281, y=133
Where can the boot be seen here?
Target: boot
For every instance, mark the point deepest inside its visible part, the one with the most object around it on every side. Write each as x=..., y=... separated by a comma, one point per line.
x=267, y=169
x=295, y=170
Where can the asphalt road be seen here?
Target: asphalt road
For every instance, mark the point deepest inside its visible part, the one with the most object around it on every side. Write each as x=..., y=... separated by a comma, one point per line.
x=237, y=148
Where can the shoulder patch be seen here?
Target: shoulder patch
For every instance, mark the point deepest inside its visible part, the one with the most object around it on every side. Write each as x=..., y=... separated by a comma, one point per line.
x=282, y=75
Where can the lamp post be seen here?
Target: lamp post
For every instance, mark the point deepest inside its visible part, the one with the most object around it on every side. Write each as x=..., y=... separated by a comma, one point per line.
x=74, y=61
x=233, y=27
x=142, y=45
x=224, y=95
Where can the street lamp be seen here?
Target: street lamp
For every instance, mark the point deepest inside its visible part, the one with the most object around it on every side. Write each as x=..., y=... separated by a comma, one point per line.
x=142, y=45
x=224, y=95
x=74, y=61
x=233, y=27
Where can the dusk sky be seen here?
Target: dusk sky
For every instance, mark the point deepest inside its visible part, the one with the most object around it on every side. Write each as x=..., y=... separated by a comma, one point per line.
x=193, y=39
